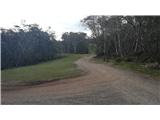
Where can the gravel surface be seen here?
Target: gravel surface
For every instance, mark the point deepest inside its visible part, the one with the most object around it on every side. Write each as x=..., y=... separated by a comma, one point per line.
x=102, y=85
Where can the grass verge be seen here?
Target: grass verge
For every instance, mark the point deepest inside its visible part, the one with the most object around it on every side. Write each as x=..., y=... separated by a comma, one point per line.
x=137, y=67
x=47, y=71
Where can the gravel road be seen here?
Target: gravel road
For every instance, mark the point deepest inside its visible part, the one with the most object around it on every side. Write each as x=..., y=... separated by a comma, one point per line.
x=102, y=85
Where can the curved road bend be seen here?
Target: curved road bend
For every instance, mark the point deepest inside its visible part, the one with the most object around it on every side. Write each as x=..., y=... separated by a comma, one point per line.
x=102, y=85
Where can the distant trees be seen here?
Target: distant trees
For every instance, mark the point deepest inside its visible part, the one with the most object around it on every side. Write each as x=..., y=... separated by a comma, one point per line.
x=135, y=37
x=126, y=37
x=75, y=42
x=27, y=45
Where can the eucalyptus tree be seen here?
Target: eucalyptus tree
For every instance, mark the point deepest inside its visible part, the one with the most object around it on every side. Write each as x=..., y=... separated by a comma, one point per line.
x=75, y=42
x=27, y=44
x=135, y=37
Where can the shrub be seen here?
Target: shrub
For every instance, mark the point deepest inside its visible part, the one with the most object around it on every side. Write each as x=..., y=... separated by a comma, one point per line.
x=118, y=59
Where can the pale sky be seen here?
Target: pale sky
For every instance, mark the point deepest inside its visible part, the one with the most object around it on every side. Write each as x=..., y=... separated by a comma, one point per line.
x=59, y=24
x=65, y=15
x=61, y=15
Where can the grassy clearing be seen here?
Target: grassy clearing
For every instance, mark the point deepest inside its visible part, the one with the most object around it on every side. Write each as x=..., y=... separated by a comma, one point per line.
x=51, y=70
x=137, y=67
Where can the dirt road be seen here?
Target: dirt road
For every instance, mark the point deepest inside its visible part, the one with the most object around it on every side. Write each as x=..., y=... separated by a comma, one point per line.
x=101, y=85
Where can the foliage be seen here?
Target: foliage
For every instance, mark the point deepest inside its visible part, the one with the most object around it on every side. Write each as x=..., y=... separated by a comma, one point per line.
x=136, y=37
x=75, y=42
x=27, y=45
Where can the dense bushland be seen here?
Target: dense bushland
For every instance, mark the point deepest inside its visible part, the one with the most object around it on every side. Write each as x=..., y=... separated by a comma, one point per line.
x=130, y=38
x=26, y=45
x=75, y=42
x=29, y=44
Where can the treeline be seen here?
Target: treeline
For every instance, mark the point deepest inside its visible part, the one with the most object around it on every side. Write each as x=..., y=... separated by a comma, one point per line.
x=75, y=42
x=29, y=44
x=132, y=38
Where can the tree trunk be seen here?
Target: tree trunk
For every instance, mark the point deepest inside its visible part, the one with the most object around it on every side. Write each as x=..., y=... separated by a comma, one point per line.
x=119, y=45
x=104, y=45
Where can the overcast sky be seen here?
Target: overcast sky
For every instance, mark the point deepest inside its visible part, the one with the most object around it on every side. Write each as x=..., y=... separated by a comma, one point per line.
x=61, y=15
x=59, y=24
x=65, y=15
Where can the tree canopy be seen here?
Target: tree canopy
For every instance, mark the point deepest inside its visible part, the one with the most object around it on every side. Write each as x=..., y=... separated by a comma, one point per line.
x=26, y=45
x=75, y=42
x=135, y=37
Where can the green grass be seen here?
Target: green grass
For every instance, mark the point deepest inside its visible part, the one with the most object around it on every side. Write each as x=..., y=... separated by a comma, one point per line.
x=137, y=67
x=51, y=70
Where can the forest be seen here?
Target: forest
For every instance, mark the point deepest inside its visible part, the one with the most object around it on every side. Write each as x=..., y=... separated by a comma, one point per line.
x=127, y=38
x=29, y=44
